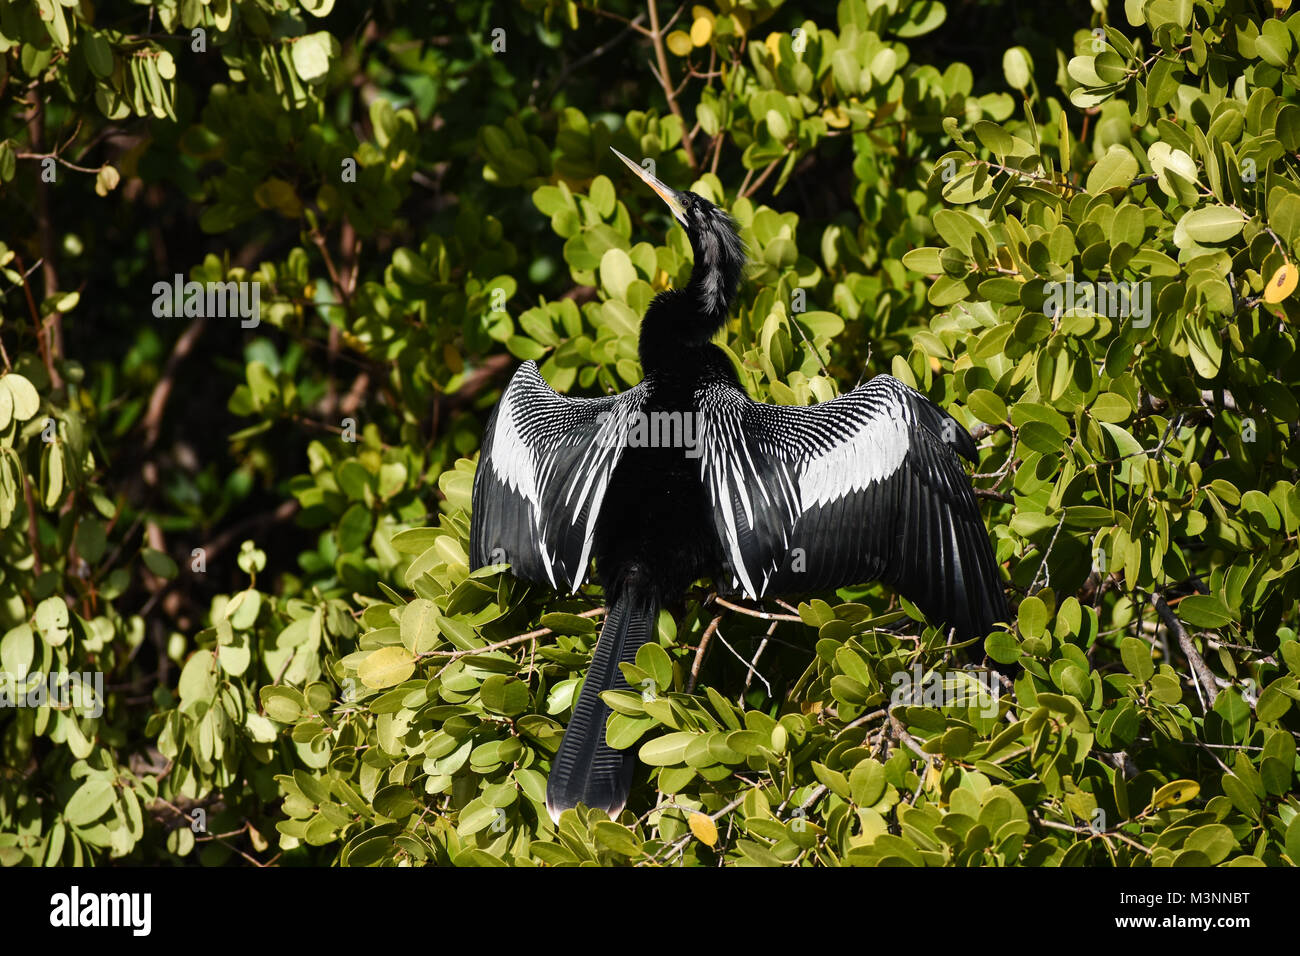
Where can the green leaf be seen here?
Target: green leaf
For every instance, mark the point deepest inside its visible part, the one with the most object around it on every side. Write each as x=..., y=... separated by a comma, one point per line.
x=1017, y=67
x=1274, y=44
x=1115, y=170
x=1284, y=214
x=198, y=681
x=504, y=695
x=1293, y=840
x=386, y=666
x=284, y=704
x=1111, y=407
x=1214, y=840
x=867, y=783
x=1212, y=223
x=90, y=801
x=159, y=563
x=52, y=620
x=1275, y=700
x=1002, y=647
x=562, y=623
x=419, y=627
x=1032, y=617
x=1204, y=610
x=654, y=660
x=994, y=137
x=99, y=55
x=616, y=273
x=17, y=651
x=623, y=730
x=987, y=406
x=925, y=260
x=311, y=55
x=1137, y=658
x=1175, y=171
x=616, y=837
x=665, y=751
x=8, y=161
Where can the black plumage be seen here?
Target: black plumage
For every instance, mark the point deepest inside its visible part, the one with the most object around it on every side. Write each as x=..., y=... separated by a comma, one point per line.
x=767, y=499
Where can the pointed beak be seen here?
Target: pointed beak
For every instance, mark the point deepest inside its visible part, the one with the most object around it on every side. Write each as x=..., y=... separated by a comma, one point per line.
x=669, y=196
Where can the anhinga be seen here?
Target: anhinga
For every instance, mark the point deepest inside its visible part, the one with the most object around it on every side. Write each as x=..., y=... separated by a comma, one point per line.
x=772, y=499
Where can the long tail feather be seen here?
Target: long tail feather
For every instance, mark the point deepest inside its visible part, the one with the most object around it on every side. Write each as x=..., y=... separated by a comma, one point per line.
x=586, y=769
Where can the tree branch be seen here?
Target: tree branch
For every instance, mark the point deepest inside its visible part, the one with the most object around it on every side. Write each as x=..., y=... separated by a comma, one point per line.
x=1200, y=670
x=152, y=422
x=657, y=37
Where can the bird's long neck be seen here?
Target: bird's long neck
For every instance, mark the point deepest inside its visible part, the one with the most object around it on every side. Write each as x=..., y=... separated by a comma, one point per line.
x=715, y=276
x=680, y=320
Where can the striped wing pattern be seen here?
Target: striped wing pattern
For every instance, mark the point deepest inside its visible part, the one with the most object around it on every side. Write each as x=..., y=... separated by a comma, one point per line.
x=543, y=472
x=868, y=486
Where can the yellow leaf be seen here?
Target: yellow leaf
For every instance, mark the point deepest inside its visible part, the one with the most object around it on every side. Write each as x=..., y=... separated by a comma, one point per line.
x=698, y=12
x=933, y=778
x=1172, y=794
x=701, y=31
x=835, y=117
x=679, y=42
x=106, y=179
x=1282, y=284
x=705, y=830
x=774, y=45
x=256, y=838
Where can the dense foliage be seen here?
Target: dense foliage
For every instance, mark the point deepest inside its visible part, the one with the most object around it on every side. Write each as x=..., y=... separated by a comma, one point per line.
x=247, y=530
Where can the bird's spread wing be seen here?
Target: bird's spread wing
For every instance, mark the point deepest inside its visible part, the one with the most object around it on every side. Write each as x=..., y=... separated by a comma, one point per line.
x=868, y=486
x=546, y=462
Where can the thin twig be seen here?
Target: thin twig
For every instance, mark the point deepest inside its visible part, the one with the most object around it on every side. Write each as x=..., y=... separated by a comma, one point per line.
x=58, y=159
x=765, y=615
x=1092, y=833
x=753, y=663
x=508, y=642
x=1047, y=581
x=762, y=177
x=742, y=660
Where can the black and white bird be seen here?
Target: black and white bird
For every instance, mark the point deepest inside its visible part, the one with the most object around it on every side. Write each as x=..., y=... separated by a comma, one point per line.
x=763, y=499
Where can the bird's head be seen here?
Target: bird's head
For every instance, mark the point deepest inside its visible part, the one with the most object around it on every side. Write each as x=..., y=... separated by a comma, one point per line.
x=719, y=253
